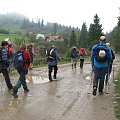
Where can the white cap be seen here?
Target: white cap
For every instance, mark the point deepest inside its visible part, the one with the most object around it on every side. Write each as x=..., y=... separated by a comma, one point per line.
x=102, y=53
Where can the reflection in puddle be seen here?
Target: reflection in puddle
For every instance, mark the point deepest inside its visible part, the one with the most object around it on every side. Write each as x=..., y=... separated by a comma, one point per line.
x=36, y=79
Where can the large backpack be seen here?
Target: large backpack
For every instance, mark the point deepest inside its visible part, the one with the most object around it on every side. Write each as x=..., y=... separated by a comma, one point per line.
x=82, y=51
x=50, y=55
x=19, y=60
x=101, y=53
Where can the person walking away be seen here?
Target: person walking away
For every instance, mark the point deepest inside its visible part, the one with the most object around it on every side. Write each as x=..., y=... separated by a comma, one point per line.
x=110, y=64
x=11, y=56
x=32, y=53
x=74, y=56
x=21, y=63
x=83, y=54
x=100, y=57
x=4, y=63
x=52, y=58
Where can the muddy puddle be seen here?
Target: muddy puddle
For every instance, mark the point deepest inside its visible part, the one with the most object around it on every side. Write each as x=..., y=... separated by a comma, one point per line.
x=36, y=79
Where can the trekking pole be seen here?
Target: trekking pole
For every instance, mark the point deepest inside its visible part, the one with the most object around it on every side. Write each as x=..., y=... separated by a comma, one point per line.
x=106, y=80
x=113, y=74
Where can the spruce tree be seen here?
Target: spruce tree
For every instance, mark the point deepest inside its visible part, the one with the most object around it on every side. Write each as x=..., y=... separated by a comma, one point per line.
x=83, y=36
x=73, y=39
x=95, y=31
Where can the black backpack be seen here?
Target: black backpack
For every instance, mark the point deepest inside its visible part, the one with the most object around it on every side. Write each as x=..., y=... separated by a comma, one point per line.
x=19, y=60
x=50, y=55
x=97, y=50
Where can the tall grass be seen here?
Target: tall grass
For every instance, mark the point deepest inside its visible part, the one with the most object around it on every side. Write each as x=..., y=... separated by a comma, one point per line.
x=117, y=88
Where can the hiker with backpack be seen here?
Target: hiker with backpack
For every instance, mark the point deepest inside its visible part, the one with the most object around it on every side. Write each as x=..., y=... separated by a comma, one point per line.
x=21, y=63
x=100, y=57
x=74, y=57
x=31, y=50
x=110, y=64
x=4, y=63
x=52, y=58
x=82, y=54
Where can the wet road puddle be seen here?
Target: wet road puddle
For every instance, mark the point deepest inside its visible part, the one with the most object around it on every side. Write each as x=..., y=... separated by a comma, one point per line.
x=36, y=79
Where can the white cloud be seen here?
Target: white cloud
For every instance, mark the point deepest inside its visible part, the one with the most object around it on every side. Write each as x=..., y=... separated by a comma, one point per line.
x=66, y=12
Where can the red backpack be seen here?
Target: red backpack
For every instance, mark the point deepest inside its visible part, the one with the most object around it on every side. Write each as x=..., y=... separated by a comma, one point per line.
x=82, y=51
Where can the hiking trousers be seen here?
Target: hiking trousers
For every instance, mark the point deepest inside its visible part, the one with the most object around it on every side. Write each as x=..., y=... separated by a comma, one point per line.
x=81, y=63
x=21, y=81
x=51, y=67
x=7, y=79
x=99, y=77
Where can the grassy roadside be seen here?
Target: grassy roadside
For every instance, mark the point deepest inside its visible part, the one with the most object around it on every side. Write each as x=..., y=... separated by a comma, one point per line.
x=117, y=88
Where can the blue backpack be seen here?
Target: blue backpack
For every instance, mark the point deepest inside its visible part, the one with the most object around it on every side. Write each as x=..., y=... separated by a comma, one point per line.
x=97, y=51
x=19, y=60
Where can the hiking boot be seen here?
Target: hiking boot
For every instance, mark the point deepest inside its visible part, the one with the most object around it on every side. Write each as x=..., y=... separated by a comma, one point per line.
x=15, y=94
x=54, y=77
x=26, y=90
x=100, y=93
x=50, y=80
x=94, y=91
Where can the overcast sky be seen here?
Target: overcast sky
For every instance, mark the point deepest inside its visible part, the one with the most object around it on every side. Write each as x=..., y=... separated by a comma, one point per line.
x=67, y=12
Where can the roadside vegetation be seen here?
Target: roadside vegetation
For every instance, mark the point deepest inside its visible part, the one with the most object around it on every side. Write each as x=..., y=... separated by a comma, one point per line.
x=117, y=88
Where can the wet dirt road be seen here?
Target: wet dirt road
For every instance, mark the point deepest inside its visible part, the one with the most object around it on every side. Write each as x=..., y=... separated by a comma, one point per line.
x=69, y=98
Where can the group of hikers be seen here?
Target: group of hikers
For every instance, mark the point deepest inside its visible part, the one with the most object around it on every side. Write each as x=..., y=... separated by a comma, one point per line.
x=102, y=58
x=75, y=54
x=22, y=61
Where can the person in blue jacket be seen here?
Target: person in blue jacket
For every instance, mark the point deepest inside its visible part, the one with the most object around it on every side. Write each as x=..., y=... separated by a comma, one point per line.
x=100, y=57
x=52, y=58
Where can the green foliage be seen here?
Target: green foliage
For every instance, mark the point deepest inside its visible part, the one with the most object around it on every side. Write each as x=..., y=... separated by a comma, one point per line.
x=83, y=36
x=117, y=88
x=95, y=31
x=116, y=37
x=73, y=39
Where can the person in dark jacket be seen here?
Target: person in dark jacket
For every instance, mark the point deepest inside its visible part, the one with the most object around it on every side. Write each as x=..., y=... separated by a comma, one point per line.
x=22, y=71
x=110, y=64
x=4, y=64
x=52, y=58
x=74, y=57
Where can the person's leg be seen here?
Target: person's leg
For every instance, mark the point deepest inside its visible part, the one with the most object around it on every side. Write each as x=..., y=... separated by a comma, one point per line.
x=72, y=62
x=22, y=74
x=24, y=84
x=80, y=63
x=95, y=80
x=55, y=71
x=50, y=72
x=7, y=79
x=102, y=78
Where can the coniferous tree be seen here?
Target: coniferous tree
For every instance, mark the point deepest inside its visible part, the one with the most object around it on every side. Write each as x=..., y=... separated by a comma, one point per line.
x=73, y=39
x=95, y=31
x=55, y=27
x=83, y=36
x=42, y=24
x=116, y=37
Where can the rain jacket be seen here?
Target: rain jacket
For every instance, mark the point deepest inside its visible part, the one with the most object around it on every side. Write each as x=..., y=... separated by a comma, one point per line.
x=54, y=62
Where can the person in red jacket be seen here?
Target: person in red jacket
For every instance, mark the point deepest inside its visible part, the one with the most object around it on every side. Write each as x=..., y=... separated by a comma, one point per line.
x=22, y=71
